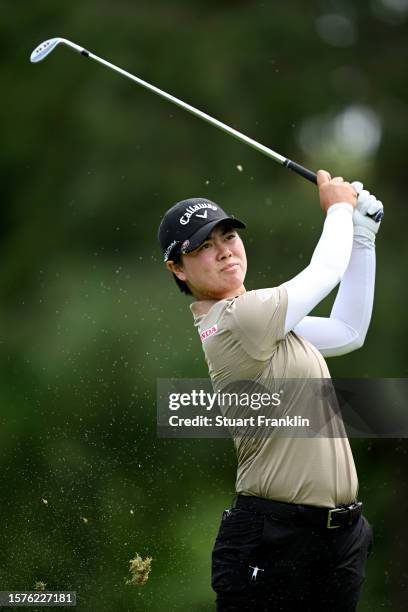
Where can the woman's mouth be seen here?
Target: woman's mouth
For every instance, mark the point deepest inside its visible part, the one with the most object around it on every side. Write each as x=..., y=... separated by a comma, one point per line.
x=230, y=268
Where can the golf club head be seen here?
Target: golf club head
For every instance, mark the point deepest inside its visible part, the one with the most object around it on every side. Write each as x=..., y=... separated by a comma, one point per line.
x=44, y=49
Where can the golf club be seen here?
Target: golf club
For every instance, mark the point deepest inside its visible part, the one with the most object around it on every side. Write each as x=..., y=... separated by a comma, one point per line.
x=46, y=47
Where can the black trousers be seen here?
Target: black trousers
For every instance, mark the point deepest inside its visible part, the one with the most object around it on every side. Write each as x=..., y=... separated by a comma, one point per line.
x=261, y=564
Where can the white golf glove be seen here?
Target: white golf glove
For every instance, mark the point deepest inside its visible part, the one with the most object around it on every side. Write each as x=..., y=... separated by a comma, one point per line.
x=367, y=211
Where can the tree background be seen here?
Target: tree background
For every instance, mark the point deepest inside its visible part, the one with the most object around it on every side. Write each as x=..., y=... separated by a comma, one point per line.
x=89, y=316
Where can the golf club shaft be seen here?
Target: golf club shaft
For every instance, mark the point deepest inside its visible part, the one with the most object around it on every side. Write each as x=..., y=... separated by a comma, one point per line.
x=46, y=47
x=307, y=174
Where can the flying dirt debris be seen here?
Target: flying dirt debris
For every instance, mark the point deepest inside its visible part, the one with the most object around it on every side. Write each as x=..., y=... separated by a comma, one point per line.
x=139, y=570
x=39, y=586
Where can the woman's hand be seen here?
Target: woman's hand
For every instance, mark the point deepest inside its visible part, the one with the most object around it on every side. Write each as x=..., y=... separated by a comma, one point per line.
x=334, y=190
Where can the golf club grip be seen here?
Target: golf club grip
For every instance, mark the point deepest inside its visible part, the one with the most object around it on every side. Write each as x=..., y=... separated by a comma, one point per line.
x=307, y=174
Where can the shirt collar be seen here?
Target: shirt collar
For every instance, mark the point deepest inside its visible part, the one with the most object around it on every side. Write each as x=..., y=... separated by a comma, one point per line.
x=201, y=307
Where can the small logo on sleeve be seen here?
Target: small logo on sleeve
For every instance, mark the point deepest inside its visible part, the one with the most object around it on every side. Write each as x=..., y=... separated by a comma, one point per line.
x=208, y=332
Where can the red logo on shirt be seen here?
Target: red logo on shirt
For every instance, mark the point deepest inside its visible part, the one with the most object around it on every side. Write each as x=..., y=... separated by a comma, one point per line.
x=208, y=332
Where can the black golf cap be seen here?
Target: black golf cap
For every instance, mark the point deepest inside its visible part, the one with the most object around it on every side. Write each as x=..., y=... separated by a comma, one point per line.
x=188, y=223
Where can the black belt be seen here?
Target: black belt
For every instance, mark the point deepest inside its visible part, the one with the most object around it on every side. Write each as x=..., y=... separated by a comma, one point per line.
x=330, y=518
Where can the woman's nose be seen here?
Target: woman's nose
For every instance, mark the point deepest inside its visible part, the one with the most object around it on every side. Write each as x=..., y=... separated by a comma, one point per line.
x=224, y=251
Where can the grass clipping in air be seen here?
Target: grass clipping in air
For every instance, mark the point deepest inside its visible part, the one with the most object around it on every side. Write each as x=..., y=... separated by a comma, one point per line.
x=139, y=570
x=40, y=585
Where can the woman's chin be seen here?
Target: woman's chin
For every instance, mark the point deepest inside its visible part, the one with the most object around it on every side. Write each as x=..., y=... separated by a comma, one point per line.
x=231, y=289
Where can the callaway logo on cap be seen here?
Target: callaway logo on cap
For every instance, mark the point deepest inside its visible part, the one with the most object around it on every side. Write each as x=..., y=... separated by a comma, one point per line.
x=190, y=210
x=188, y=223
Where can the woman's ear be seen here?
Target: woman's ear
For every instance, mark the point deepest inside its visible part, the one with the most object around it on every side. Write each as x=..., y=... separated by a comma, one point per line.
x=177, y=269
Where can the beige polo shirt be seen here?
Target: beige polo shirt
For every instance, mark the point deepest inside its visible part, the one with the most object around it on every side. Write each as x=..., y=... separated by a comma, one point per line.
x=243, y=339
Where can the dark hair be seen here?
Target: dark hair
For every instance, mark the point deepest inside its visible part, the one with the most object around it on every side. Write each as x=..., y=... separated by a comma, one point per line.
x=181, y=284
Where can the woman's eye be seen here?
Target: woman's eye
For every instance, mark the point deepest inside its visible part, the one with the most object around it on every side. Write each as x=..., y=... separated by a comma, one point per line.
x=231, y=236
x=205, y=245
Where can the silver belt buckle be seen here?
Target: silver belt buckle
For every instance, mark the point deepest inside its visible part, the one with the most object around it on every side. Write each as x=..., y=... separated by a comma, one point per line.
x=329, y=518
x=351, y=508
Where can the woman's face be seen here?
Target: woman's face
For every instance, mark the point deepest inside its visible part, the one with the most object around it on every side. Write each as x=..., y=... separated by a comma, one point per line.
x=217, y=268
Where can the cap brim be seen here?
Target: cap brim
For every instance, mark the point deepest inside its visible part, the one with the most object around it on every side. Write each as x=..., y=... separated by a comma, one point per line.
x=200, y=235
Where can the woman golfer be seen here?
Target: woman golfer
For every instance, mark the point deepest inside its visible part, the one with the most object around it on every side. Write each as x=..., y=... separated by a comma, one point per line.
x=295, y=538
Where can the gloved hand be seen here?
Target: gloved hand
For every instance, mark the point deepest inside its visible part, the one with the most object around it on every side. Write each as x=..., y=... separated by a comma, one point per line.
x=368, y=213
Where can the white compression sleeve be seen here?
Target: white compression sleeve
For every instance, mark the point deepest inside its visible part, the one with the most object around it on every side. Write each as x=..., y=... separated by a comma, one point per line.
x=327, y=266
x=347, y=326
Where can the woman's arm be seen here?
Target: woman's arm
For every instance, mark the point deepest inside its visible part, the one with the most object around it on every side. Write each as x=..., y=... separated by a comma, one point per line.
x=327, y=266
x=346, y=329
x=347, y=326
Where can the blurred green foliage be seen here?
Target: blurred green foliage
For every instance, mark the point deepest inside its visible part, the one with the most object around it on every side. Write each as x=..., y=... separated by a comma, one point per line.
x=89, y=316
